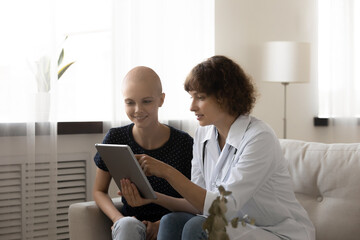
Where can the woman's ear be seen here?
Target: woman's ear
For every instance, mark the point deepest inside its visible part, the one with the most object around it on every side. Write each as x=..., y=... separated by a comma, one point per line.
x=162, y=99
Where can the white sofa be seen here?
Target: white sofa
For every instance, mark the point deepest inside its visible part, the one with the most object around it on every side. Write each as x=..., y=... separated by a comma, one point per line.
x=326, y=180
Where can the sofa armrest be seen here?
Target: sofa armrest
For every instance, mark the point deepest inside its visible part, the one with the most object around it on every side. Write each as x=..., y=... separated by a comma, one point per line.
x=87, y=221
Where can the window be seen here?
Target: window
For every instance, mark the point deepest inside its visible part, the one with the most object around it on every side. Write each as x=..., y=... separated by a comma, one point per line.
x=169, y=36
x=33, y=33
x=105, y=38
x=339, y=58
x=84, y=92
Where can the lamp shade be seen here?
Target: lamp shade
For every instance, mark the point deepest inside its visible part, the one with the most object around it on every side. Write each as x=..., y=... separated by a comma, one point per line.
x=286, y=62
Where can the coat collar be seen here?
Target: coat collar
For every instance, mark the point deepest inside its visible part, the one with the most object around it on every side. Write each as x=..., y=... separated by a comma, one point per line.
x=237, y=130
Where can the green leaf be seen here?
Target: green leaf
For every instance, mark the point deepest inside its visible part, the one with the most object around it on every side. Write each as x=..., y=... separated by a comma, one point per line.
x=226, y=193
x=63, y=69
x=252, y=221
x=243, y=223
x=221, y=189
x=61, y=57
x=234, y=222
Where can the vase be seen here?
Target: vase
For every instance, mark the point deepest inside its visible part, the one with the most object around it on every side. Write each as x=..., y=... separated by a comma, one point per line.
x=42, y=106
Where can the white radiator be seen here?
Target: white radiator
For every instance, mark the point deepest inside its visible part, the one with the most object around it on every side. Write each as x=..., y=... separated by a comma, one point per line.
x=25, y=201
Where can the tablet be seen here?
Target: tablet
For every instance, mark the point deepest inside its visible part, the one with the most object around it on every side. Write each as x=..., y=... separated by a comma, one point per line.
x=121, y=163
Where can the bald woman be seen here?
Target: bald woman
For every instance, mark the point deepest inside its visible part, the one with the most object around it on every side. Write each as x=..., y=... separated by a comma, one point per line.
x=143, y=96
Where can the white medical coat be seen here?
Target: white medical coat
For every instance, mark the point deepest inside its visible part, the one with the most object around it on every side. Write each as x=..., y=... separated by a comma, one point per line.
x=251, y=165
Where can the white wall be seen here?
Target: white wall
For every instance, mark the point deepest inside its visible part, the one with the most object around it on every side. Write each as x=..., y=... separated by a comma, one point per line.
x=241, y=26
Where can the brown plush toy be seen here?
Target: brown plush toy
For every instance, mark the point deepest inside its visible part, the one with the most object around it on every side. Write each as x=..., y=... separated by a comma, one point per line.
x=215, y=224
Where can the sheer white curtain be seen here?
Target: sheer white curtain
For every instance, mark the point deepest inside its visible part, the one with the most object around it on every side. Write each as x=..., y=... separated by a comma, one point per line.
x=339, y=59
x=28, y=158
x=85, y=89
x=105, y=39
x=37, y=183
x=169, y=36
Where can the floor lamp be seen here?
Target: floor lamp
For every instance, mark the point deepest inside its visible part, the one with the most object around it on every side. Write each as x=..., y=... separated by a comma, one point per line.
x=286, y=62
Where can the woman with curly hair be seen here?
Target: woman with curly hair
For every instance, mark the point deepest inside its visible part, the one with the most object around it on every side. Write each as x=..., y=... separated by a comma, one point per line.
x=236, y=151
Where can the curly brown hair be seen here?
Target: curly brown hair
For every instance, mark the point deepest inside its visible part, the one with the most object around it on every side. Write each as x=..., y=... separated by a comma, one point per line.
x=223, y=78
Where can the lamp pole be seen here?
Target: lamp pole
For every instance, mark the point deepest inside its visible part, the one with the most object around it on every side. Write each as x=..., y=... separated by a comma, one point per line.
x=284, y=119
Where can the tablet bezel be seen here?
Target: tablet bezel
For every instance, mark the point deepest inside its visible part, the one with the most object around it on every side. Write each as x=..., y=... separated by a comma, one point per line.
x=121, y=163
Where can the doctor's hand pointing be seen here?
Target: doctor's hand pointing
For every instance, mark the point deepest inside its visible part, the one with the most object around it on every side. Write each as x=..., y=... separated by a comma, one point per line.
x=193, y=195
x=152, y=166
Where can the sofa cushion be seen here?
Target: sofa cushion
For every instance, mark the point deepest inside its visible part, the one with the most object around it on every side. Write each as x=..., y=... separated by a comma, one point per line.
x=87, y=221
x=326, y=180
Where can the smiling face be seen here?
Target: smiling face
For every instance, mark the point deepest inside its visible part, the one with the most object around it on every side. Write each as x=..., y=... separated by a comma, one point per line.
x=142, y=96
x=207, y=109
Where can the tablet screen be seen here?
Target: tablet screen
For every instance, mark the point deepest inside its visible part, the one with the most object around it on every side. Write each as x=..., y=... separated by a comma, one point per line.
x=121, y=163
